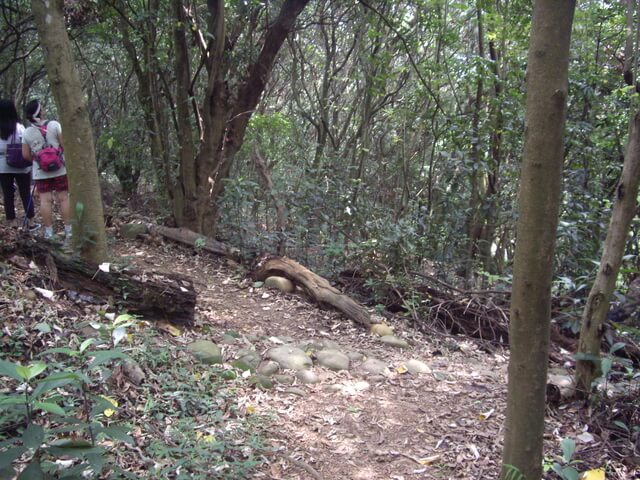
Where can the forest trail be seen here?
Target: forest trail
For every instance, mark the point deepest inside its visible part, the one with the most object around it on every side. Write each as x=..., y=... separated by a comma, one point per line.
x=445, y=423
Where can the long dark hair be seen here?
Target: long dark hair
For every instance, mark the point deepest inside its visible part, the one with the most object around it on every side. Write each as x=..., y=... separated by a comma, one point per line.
x=8, y=118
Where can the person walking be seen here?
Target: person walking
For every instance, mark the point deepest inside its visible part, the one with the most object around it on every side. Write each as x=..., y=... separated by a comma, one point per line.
x=11, y=132
x=49, y=184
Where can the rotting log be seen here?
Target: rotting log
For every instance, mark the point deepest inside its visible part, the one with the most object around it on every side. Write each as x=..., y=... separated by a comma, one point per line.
x=196, y=240
x=318, y=288
x=186, y=237
x=151, y=294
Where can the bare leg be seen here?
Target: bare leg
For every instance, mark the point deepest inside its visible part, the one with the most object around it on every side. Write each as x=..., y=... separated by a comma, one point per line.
x=65, y=209
x=46, y=208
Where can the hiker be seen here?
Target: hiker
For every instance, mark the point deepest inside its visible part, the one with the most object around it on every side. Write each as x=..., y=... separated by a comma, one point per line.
x=11, y=131
x=40, y=138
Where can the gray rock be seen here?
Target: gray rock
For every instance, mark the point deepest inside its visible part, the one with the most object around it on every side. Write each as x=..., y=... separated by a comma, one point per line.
x=394, y=341
x=416, y=367
x=248, y=361
x=333, y=360
x=131, y=230
x=229, y=339
x=284, y=379
x=268, y=368
x=289, y=356
x=296, y=391
x=262, y=381
x=206, y=351
x=373, y=366
x=329, y=344
x=355, y=356
x=280, y=283
x=307, y=377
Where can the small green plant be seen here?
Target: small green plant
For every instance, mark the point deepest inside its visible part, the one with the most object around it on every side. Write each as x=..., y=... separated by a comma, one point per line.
x=63, y=415
x=565, y=466
x=509, y=472
x=199, y=243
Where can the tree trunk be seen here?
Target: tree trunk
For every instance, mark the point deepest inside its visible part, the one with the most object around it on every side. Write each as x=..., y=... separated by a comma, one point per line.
x=84, y=187
x=539, y=200
x=226, y=113
x=597, y=307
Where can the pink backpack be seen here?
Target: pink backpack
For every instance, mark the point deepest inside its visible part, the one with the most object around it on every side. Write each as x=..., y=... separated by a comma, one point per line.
x=49, y=157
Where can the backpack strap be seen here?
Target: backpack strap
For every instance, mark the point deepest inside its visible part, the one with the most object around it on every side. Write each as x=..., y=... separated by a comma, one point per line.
x=43, y=132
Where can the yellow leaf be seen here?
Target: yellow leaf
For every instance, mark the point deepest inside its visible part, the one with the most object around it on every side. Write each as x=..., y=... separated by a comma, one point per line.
x=172, y=329
x=108, y=412
x=209, y=438
x=429, y=460
x=251, y=409
x=401, y=369
x=197, y=376
x=597, y=474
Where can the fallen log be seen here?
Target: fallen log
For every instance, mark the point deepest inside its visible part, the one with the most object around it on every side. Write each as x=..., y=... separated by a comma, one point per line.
x=153, y=295
x=181, y=235
x=318, y=288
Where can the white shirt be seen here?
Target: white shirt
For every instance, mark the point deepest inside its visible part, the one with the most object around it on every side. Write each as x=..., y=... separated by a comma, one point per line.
x=33, y=137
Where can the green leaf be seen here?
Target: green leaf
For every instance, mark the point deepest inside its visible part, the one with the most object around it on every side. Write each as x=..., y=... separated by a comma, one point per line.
x=75, y=451
x=8, y=369
x=605, y=366
x=36, y=369
x=55, y=380
x=43, y=327
x=125, y=317
x=86, y=344
x=116, y=433
x=11, y=400
x=568, y=449
x=66, y=351
x=570, y=473
x=104, y=356
x=622, y=425
x=7, y=457
x=49, y=407
x=616, y=346
x=33, y=436
x=586, y=356
x=33, y=471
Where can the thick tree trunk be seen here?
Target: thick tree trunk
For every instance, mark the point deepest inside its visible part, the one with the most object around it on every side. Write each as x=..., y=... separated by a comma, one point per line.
x=86, y=202
x=539, y=200
x=225, y=121
x=597, y=307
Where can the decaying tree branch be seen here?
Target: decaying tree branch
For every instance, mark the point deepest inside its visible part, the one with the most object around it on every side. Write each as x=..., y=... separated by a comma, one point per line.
x=153, y=295
x=316, y=287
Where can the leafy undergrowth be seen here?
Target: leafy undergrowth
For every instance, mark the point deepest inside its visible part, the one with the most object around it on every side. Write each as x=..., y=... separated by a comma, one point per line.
x=73, y=404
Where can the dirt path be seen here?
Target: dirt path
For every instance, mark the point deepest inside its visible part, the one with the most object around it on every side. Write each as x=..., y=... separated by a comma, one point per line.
x=443, y=424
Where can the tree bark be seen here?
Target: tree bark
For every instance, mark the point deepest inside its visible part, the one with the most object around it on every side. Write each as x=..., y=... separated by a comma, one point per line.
x=227, y=111
x=151, y=294
x=86, y=202
x=539, y=200
x=597, y=307
x=317, y=287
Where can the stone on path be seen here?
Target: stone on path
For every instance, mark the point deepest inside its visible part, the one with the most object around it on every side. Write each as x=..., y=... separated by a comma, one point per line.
x=280, y=283
x=416, y=367
x=289, y=356
x=333, y=360
x=248, y=361
x=284, y=379
x=307, y=377
x=355, y=356
x=373, y=366
x=131, y=230
x=206, y=351
x=268, y=368
x=394, y=341
x=381, y=329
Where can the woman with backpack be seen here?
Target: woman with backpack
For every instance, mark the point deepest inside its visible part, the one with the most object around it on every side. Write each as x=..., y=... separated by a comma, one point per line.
x=42, y=142
x=11, y=131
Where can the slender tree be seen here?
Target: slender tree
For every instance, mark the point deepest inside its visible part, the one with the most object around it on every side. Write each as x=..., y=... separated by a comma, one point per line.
x=84, y=187
x=597, y=307
x=539, y=200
